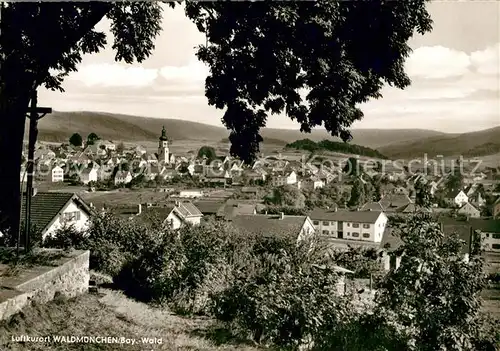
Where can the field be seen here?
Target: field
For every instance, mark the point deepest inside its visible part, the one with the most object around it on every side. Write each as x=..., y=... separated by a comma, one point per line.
x=113, y=314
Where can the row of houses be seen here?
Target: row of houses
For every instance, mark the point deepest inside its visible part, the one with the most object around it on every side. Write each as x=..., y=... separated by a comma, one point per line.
x=339, y=227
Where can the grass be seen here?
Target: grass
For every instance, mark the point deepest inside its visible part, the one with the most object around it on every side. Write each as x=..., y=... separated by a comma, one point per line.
x=113, y=314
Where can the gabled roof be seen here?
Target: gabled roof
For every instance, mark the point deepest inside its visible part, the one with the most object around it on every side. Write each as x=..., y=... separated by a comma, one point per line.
x=209, y=207
x=394, y=201
x=345, y=216
x=468, y=204
x=155, y=213
x=372, y=206
x=187, y=209
x=269, y=226
x=46, y=206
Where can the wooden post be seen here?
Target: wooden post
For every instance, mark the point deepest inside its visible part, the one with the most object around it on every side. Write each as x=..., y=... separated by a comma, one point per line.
x=33, y=134
x=31, y=165
x=371, y=281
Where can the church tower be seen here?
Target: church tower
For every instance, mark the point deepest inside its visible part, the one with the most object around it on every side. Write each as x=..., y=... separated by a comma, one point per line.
x=163, y=151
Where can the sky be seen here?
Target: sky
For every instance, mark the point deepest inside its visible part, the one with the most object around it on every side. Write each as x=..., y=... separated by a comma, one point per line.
x=455, y=72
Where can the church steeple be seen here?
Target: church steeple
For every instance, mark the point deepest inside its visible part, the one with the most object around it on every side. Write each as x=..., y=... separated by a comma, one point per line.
x=163, y=134
x=163, y=151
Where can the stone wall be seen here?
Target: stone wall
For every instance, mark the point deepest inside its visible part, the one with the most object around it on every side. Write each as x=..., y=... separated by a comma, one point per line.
x=41, y=283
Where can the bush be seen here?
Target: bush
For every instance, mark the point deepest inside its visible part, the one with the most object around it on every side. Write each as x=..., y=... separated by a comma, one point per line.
x=280, y=295
x=184, y=268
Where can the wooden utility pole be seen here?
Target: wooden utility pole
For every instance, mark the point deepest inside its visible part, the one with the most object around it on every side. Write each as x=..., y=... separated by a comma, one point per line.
x=34, y=114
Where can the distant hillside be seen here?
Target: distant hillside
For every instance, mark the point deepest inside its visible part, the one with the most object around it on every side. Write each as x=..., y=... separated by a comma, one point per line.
x=334, y=146
x=59, y=126
x=269, y=141
x=474, y=144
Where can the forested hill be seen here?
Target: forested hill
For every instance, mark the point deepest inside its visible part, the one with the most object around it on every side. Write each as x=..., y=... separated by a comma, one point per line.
x=334, y=146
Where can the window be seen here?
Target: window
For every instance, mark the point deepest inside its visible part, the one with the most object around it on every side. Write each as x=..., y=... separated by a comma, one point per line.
x=495, y=236
x=316, y=222
x=366, y=226
x=348, y=233
x=495, y=246
x=355, y=234
x=487, y=235
x=325, y=232
x=326, y=223
x=355, y=225
x=366, y=235
x=348, y=224
x=71, y=216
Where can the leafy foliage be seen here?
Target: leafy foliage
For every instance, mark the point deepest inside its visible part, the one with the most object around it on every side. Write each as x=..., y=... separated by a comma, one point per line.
x=358, y=196
x=356, y=47
x=92, y=138
x=334, y=146
x=286, y=195
x=76, y=140
x=433, y=297
x=208, y=152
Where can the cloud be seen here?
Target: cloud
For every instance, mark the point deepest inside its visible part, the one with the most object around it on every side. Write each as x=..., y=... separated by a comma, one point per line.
x=194, y=72
x=114, y=75
x=437, y=62
x=487, y=61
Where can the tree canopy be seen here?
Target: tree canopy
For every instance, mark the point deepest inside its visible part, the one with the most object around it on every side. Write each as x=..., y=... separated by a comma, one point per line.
x=76, y=140
x=262, y=56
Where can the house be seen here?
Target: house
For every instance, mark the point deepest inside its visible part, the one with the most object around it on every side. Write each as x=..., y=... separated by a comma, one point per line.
x=57, y=174
x=287, y=179
x=51, y=211
x=389, y=203
x=469, y=210
x=209, y=207
x=123, y=177
x=174, y=215
x=193, y=193
x=292, y=227
x=88, y=175
x=234, y=208
x=314, y=183
x=350, y=225
x=490, y=233
x=456, y=197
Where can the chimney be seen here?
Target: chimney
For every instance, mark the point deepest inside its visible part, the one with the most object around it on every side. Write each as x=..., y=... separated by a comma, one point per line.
x=139, y=210
x=91, y=205
x=282, y=215
x=177, y=203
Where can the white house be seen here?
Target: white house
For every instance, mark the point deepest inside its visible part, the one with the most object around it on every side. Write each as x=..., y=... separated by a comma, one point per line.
x=193, y=193
x=490, y=233
x=366, y=226
x=123, y=177
x=51, y=211
x=469, y=210
x=57, y=174
x=176, y=215
x=89, y=175
x=288, y=179
x=457, y=197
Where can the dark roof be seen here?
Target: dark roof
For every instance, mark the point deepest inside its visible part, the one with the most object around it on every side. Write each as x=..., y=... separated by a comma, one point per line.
x=394, y=201
x=389, y=241
x=345, y=216
x=45, y=207
x=265, y=225
x=155, y=213
x=209, y=207
x=372, y=206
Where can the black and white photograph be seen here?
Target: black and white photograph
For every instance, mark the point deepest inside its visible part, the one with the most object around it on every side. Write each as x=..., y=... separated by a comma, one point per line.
x=318, y=175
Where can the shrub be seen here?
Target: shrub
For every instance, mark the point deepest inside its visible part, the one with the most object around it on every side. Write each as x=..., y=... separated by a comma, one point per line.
x=183, y=268
x=280, y=295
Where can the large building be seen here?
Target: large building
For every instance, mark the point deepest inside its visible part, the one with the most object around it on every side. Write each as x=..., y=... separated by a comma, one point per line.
x=350, y=225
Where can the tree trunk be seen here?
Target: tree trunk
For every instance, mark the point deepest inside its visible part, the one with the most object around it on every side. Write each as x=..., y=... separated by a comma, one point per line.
x=14, y=100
